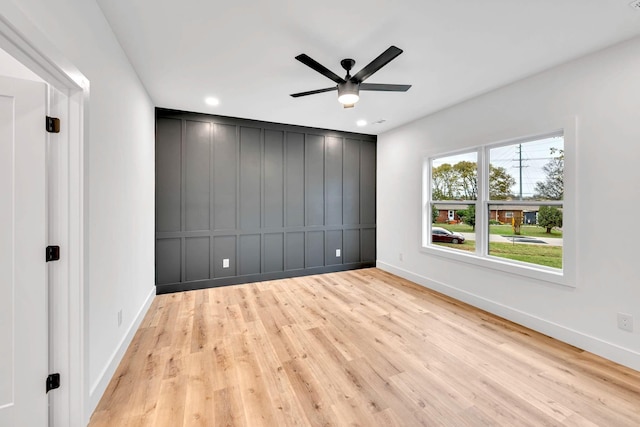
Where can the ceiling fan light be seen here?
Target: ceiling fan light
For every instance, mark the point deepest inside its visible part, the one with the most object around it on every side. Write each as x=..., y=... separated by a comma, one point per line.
x=348, y=99
x=348, y=93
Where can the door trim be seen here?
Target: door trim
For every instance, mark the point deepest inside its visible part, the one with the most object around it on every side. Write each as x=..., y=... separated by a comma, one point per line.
x=68, y=100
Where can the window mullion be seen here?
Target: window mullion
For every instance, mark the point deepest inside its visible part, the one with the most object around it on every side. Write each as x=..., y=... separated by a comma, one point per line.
x=482, y=218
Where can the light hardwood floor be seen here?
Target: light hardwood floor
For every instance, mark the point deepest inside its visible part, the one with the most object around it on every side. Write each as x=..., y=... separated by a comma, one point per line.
x=353, y=348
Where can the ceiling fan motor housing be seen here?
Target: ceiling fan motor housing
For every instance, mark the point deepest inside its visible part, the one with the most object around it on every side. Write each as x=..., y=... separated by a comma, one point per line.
x=350, y=90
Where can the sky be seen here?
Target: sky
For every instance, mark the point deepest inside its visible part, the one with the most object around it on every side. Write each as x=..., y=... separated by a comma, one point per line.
x=535, y=154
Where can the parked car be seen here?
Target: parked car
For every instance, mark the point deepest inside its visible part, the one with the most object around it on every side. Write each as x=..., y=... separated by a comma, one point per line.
x=439, y=234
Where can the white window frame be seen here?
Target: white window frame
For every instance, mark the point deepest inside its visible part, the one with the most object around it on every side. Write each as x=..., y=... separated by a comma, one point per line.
x=565, y=276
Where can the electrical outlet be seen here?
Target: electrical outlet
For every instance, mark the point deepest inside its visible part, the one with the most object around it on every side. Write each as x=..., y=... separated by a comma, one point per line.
x=225, y=263
x=337, y=253
x=400, y=256
x=119, y=317
x=625, y=322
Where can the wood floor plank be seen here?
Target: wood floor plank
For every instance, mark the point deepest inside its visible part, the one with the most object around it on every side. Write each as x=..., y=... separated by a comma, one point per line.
x=356, y=348
x=228, y=408
x=171, y=402
x=286, y=408
x=314, y=400
x=327, y=364
x=388, y=418
x=380, y=384
x=258, y=407
x=199, y=404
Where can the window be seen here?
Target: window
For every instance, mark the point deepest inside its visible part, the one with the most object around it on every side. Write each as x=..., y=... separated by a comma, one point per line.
x=508, y=202
x=454, y=190
x=527, y=176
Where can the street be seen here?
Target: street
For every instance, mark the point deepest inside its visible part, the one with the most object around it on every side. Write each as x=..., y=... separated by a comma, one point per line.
x=551, y=241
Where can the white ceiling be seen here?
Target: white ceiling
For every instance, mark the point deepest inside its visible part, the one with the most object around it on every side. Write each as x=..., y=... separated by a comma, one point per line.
x=242, y=51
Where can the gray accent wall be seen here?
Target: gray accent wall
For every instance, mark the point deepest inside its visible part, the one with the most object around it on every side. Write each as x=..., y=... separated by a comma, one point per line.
x=241, y=200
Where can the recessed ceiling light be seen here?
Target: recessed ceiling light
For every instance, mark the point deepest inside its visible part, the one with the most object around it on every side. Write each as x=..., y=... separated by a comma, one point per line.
x=361, y=123
x=212, y=101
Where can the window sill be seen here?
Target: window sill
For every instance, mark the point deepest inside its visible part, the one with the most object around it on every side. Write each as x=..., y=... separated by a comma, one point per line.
x=530, y=271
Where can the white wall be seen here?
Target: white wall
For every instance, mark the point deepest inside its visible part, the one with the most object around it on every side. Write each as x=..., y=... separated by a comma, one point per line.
x=603, y=91
x=121, y=178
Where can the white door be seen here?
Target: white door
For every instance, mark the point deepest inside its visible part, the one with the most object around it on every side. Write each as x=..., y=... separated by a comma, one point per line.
x=23, y=284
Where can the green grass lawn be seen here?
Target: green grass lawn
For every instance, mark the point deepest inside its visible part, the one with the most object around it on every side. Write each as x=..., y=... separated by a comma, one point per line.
x=468, y=245
x=505, y=230
x=550, y=256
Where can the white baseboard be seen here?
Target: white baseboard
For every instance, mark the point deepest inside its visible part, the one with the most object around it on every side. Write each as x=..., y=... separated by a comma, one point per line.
x=100, y=385
x=614, y=352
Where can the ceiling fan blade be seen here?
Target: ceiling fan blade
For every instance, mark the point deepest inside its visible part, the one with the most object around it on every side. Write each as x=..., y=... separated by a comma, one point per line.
x=313, y=92
x=384, y=87
x=312, y=63
x=382, y=60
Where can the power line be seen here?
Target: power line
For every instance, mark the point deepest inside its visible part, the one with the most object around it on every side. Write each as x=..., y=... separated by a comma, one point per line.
x=537, y=158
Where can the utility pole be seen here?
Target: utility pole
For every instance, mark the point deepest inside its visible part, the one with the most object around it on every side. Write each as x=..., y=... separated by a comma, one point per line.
x=520, y=167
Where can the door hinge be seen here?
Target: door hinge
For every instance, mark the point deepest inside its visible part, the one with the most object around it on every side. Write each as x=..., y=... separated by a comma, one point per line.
x=53, y=125
x=53, y=253
x=53, y=382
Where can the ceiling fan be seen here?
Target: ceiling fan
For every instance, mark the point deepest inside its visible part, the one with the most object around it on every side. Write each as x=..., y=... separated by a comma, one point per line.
x=349, y=88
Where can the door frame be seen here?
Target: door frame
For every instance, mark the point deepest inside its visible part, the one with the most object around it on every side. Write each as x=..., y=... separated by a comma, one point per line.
x=68, y=99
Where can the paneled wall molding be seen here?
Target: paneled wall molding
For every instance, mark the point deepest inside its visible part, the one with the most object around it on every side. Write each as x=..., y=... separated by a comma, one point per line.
x=242, y=200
